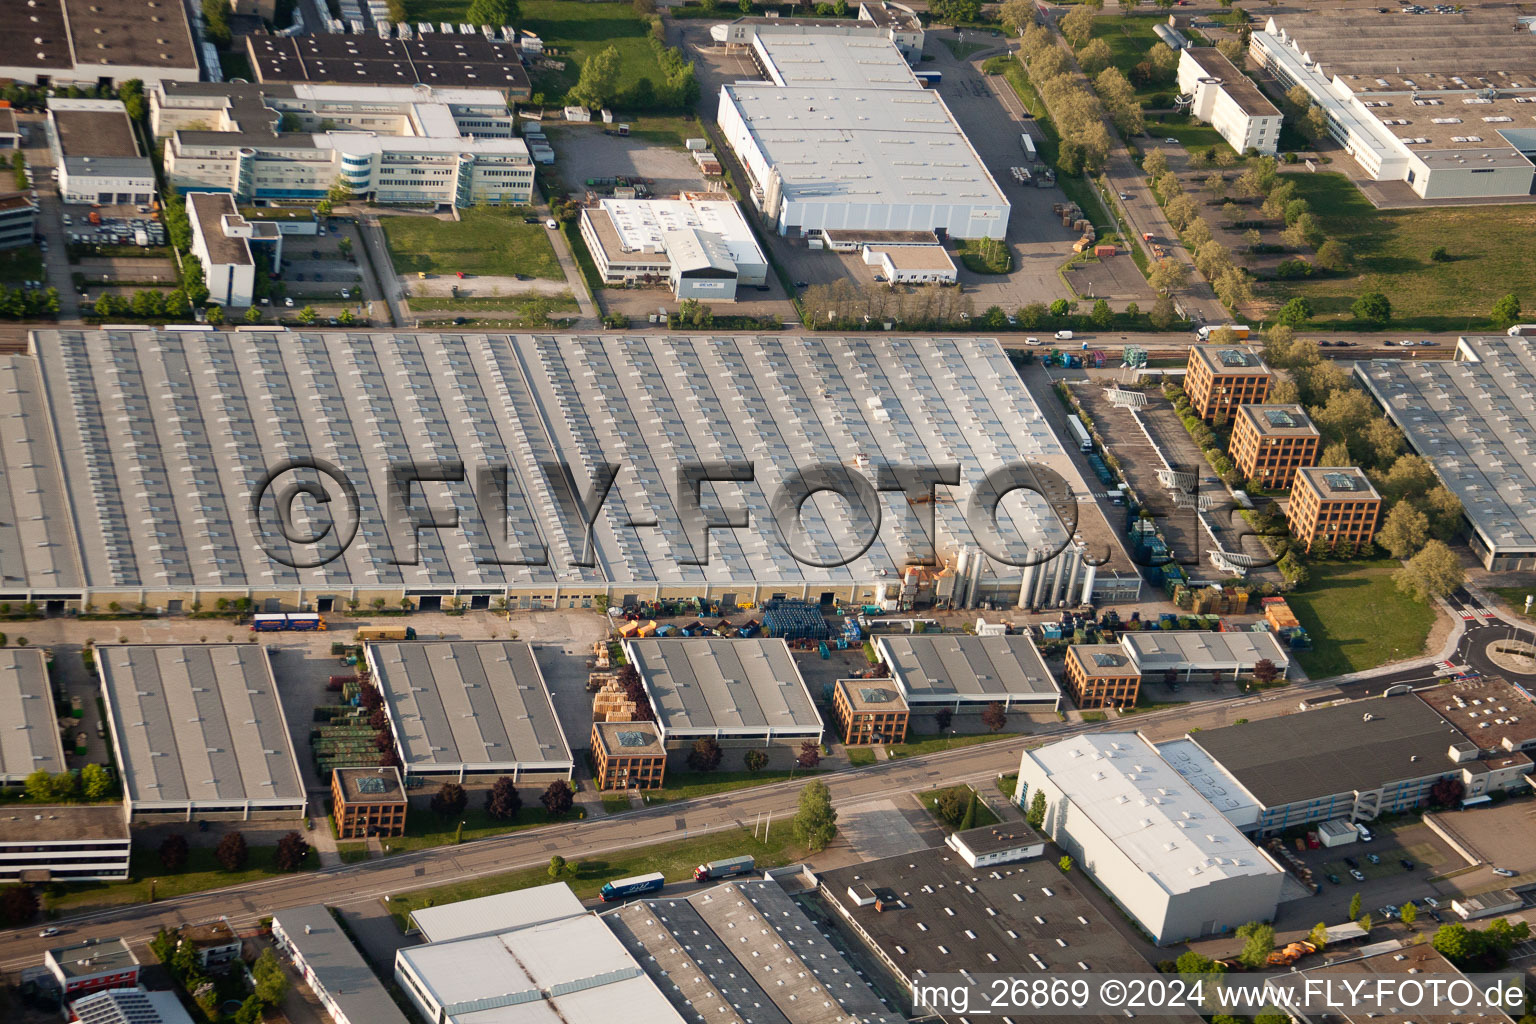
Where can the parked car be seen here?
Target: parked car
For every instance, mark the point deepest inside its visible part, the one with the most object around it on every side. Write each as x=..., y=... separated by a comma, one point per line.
x=288, y=302
x=1125, y=195
x=1063, y=335
x=1334, y=878
x=460, y=321
x=1436, y=915
x=1390, y=913
x=1351, y=862
x=1406, y=343
x=1031, y=341
x=1171, y=142
x=1373, y=858
x=1431, y=902
x=1356, y=875
x=1366, y=836
x=1505, y=872
x=1407, y=864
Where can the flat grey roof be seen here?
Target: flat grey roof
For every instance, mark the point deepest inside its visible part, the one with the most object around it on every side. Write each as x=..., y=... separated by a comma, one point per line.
x=1475, y=421
x=1200, y=650
x=337, y=966
x=199, y=724
x=189, y=422
x=368, y=60
x=1493, y=712
x=61, y=823
x=982, y=919
x=207, y=210
x=718, y=687
x=1338, y=483
x=1273, y=420
x=59, y=35
x=745, y=953
x=628, y=739
x=480, y=704
x=1103, y=661
x=1333, y=750
x=371, y=785
x=1006, y=835
x=1359, y=44
x=1238, y=86
x=92, y=957
x=944, y=667
x=29, y=731
x=93, y=128
x=1230, y=359
x=871, y=694
x=500, y=912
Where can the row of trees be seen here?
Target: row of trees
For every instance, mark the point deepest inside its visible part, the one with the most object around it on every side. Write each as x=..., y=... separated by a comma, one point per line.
x=28, y=303
x=707, y=754
x=233, y=853
x=93, y=783
x=598, y=84
x=502, y=800
x=1083, y=140
x=1212, y=259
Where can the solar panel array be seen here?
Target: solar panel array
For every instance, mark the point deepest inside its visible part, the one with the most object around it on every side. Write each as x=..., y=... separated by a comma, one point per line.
x=160, y=439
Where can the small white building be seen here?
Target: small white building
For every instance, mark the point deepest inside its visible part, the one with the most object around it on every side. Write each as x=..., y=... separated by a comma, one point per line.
x=221, y=239
x=1337, y=832
x=1226, y=99
x=700, y=245
x=97, y=153
x=1159, y=848
x=912, y=264
x=1002, y=843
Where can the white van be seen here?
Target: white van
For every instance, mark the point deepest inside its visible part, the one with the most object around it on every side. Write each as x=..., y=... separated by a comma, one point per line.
x=1063, y=335
x=1365, y=833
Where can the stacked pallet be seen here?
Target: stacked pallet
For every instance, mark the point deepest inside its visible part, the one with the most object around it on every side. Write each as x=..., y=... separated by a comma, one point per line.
x=611, y=705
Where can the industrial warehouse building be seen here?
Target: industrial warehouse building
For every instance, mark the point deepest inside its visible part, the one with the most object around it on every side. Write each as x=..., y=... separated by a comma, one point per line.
x=463, y=708
x=505, y=911
x=745, y=944
x=390, y=144
x=332, y=967
x=194, y=420
x=701, y=246
x=96, y=151
x=199, y=733
x=1223, y=97
x=1193, y=655
x=1474, y=419
x=842, y=135
x=29, y=740
x=104, y=42
x=1354, y=760
x=876, y=18
x=745, y=694
x=1148, y=837
x=964, y=674
x=1440, y=103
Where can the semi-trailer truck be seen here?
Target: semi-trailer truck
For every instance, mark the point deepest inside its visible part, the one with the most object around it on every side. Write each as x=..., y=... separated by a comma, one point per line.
x=635, y=886
x=279, y=621
x=723, y=868
x=1241, y=330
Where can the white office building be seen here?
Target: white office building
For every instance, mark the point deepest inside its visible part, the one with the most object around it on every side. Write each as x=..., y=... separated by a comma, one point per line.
x=221, y=239
x=1158, y=847
x=701, y=246
x=390, y=144
x=1223, y=97
x=842, y=135
x=97, y=153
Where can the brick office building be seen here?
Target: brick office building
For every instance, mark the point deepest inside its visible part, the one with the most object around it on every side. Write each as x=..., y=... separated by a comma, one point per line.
x=1271, y=442
x=1333, y=505
x=869, y=711
x=628, y=755
x=368, y=802
x=1102, y=676
x=1222, y=377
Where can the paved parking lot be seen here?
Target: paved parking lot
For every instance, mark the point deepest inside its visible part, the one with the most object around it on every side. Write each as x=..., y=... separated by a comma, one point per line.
x=1387, y=884
x=582, y=151
x=1500, y=834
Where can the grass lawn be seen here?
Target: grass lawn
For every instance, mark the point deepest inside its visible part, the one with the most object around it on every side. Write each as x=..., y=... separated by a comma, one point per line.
x=1191, y=134
x=616, y=803
x=351, y=853
x=525, y=305
x=1514, y=597
x=930, y=799
x=485, y=240
x=201, y=873
x=425, y=829
x=24, y=264
x=860, y=756
x=1357, y=618
x=1008, y=784
x=687, y=785
x=935, y=743
x=1095, y=716
x=1129, y=39
x=964, y=48
x=985, y=256
x=1488, y=247
x=676, y=860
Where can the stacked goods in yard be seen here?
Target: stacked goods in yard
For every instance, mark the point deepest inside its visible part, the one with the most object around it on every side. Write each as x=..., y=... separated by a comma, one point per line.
x=612, y=705
x=1279, y=615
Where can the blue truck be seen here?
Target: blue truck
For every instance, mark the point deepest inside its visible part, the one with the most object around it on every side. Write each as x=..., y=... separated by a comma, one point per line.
x=281, y=621
x=635, y=886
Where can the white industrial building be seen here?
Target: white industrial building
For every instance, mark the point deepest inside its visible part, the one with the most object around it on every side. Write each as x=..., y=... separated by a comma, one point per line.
x=388, y=143
x=701, y=246
x=29, y=739
x=1223, y=97
x=842, y=135
x=332, y=967
x=1158, y=847
x=879, y=19
x=1442, y=103
x=221, y=239
x=487, y=915
x=1475, y=421
x=911, y=264
x=63, y=843
x=1203, y=655
x=97, y=153
x=963, y=673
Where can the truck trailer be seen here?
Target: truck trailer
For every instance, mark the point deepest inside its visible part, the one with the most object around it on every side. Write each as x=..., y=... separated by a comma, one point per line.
x=280, y=621
x=723, y=868
x=634, y=886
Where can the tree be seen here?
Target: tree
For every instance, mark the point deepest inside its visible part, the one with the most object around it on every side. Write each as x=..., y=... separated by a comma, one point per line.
x=1404, y=532
x=1258, y=943
x=1190, y=962
x=995, y=716
x=815, y=822
x=1102, y=316
x=250, y=1011
x=1096, y=56
x=1167, y=276
x=1232, y=49
x=951, y=805
x=1333, y=255
x=164, y=944
x=253, y=315
x=1264, y=671
x=556, y=866
x=705, y=755
x=95, y=782
x=231, y=851
x=1372, y=307
x=558, y=799
x=1077, y=26
x=192, y=281
x=1434, y=572
x=1295, y=312
x=271, y=980
x=307, y=315
x=955, y=12
x=599, y=79
x=18, y=905
x=943, y=718
x=290, y=853
x=1354, y=907
x=1017, y=13
x=1318, y=936
x=1457, y=943
x=503, y=801
x=174, y=852
x=492, y=12
x=1440, y=254
x=61, y=785
x=1335, y=453
x=1155, y=163
x=1506, y=311
x=1036, y=814
x=39, y=786
x=755, y=760
x=1447, y=793
x=1163, y=313
x=1408, y=912
x=450, y=800
x=1164, y=60
x=810, y=754
x=1065, y=864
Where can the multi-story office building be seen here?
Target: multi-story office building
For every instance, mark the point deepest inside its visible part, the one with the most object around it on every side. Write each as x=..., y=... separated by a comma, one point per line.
x=390, y=144
x=1223, y=97
x=1271, y=442
x=221, y=239
x=368, y=802
x=1333, y=506
x=97, y=153
x=869, y=711
x=18, y=220
x=1222, y=377
x=92, y=965
x=1102, y=676
x=628, y=755
x=63, y=843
